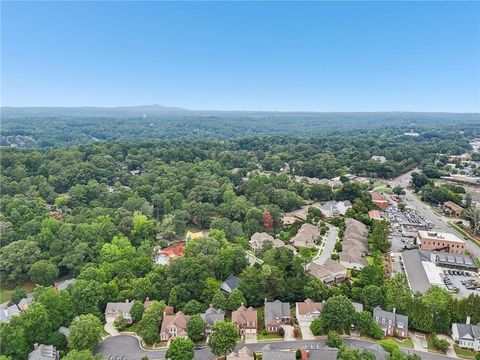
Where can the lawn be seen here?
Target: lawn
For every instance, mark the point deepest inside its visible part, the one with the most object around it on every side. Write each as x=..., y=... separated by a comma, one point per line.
x=464, y=353
x=385, y=190
x=369, y=259
x=5, y=294
x=272, y=336
x=407, y=343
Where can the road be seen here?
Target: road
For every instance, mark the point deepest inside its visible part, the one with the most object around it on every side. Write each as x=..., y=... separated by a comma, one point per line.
x=427, y=212
x=329, y=245
x=126, y=347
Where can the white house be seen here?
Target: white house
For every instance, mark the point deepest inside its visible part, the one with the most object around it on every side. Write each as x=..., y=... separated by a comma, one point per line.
x=467, y=335
x=308, y=310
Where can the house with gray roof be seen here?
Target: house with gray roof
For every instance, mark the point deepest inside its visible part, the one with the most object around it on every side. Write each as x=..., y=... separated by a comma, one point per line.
x=116, y=309
x=392, y=324
x=241, y=354
x=210, y=317
x=467, y=335
x=7, y=312
x=354, y=245
x=230, y=284
x=63, y=285
x=330, y=272
x=306, y=236
x=276, y=314
x=44, y=352
x=270, y=353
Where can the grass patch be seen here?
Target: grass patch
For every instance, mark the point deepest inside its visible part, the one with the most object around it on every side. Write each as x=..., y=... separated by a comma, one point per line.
x=407, y=343
x=272, y=336
x=385, y=190
x=464, y=353
x=464, y=233
x=134, y=328
x=6, y=294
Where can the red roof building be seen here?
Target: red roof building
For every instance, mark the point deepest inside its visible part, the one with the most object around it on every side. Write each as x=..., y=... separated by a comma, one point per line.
x=378, y=199
x=455, y=208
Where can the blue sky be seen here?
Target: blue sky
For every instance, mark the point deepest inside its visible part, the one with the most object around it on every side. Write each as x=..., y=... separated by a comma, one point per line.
x=322, y=56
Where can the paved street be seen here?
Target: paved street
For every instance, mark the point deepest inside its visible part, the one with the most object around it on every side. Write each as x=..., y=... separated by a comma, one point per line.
x=329, y=245
x=427, y=212
x=126, y=347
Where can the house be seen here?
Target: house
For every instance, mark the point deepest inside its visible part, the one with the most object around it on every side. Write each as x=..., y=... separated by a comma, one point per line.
x=230, y=284
x=44, y=352
x=191, y=235
x=289, y=220
x=326, y=353
x=63, y=285
x=134, y=172
x=374, y=215
x=170, y=253
x=276, y=314
x=437, y=241
x=453, y=208
x=378, y=199
x=241, y=354
x=354, y=245
x=270, y=353
x=245, y=320
x=308, y=310
x=331, y=272
x=392, y=324
x=116, y=309
x=467, y=335
x=335, y=208
x=379, y=158
x=306, y=236
x=8, y=311
x=25, y=302
x=174, y=326
x=210, y=317
x=259, y=240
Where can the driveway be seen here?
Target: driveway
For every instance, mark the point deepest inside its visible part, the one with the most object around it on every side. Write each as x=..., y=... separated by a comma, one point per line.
x=306, y=332
x=109, y=328
x=126, y=346
x=450, y=352
x=329, y=245
x=289, y=334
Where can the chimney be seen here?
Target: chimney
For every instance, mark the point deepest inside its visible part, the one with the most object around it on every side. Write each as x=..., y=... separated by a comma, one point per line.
x=127, y=301
x=394, y=310
x=35, y=346
x=211, y=306
x=468, y=320
x=147, y=298
x=266, y=299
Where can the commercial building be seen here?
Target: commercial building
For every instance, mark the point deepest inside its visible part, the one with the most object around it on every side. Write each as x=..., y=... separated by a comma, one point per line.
x=443, y=242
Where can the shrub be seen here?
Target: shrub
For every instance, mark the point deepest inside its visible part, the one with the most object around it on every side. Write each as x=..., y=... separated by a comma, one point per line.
x=389, y=345
x=120, y=323
x=440, y=344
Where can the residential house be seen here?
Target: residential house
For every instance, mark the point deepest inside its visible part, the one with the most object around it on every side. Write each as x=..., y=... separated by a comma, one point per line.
x=354, y=245
x=437, y=241
x=308, y=311
x=378, y=199
x=8, y=311
x=241, y=354
x=63, y=285
x=453, y=208
x=44, y=352
x=230, y=284
x=306, y=236
x=270, y=353
x=259, y=240
x=335, y=208
x=276, y=314
x=245, y=320
x=326, y=353
x=210, y=317
x=25, y=302
x=116, y=309
x=467, y=335
x=331, y=272
x=174, y=326
x=392, y=324
x=165, y=256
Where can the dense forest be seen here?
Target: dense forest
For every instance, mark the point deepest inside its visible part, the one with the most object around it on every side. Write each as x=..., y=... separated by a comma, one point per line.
x=97, y=212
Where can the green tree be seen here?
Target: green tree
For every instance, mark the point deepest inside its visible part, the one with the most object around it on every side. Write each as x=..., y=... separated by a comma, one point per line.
x=235, y=299
x=16, y=259
x=193, y=307
x=81, y=355
x=180, y=349
x=337, y=313
x=347, y=353
x=219, y=301
x=365, y=325
x=59, y=306
x=195, y=328
x=86, y=296
x=316, y=290
x=223, y=338
x=43, y=272
x=35, y=323
x=137, y=310
x=18, y=294
x=151, y=321
x=14, y=342
x=334, y=340
x=85, y=332
x=120, y=323
x=372, y=296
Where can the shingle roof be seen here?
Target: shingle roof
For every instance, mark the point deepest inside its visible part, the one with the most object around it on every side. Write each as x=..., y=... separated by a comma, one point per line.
x=119, y=307
x=309, y=306
x=6, y=312
x=44, y=352
x=232, y=282
x=306, y=235
x=397, y=319
x=275, y=311
x=468, y=331
x=211, y=316
x=268, y=353
x=243, y=315
x=179, y=320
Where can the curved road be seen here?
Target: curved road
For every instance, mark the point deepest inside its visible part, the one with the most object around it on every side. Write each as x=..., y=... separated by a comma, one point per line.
x=126, y=347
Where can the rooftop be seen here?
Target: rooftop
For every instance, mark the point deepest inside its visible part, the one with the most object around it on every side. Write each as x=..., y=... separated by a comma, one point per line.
x=434, y=235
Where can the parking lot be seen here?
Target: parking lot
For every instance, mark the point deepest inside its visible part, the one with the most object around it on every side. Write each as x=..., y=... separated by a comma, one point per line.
x=466, y=282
